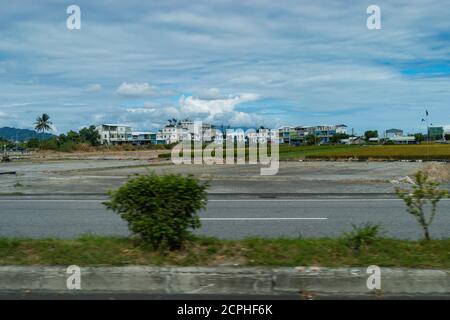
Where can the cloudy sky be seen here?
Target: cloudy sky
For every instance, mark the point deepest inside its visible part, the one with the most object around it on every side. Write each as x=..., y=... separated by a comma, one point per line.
x=243, y=63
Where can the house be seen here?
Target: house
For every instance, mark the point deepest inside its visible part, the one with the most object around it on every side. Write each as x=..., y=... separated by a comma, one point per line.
x=299, y=134
x=353, y=140
x=114, y=133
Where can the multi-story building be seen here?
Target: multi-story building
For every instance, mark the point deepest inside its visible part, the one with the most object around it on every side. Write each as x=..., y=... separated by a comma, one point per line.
x=187, y=130
x=391, y=133
x=171, y=134
x=115, y=133
x=325, y=132
x=436, y=133
x=298, y=137
x=140, y=138
x=285, y=134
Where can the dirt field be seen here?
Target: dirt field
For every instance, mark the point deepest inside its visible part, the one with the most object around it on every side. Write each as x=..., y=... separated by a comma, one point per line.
x=96, y=175
x=94, y=155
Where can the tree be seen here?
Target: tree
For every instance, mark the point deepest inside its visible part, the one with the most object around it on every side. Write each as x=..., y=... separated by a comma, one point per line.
x=90, y=135
x=338, y=137
x=370, y=134
x=310, y=139
x=43, y=123
x=160, y=209
x=73, y=136
x=33, y=143
x=424, y=193
x=419, y=137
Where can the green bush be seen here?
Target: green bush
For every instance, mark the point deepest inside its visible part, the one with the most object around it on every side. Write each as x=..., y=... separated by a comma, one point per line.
x=362, y=236
x=424, y=192
x=160, y=209
x=49, y=144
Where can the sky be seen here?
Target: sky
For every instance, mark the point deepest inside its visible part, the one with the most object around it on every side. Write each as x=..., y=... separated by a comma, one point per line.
x=241, y=63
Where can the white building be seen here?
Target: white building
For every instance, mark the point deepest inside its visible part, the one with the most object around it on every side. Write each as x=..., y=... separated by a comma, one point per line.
x=115, y=133
x=391, y=133
x=403, y=140
x=187, y=130
x=170, y=134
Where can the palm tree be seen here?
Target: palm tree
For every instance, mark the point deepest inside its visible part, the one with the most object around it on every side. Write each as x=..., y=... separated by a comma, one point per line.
x=43, y=123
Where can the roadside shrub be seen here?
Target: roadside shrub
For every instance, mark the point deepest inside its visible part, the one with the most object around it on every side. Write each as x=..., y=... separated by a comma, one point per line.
x=424, y=193
x=437, y=172
x=160, y=209
x=363, y=235
x=49, y=144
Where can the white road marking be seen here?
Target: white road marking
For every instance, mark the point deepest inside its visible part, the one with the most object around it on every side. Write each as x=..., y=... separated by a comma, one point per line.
x=263, y=219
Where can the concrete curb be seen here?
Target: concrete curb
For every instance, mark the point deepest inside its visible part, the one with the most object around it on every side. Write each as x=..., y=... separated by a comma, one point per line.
x=226, y=280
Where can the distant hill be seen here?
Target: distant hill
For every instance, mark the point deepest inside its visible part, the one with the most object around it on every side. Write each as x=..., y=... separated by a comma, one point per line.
x=22, y=134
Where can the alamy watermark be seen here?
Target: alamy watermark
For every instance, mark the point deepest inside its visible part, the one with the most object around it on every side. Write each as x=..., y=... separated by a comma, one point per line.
x=374, y=280
x=73, y=282
x=73, y=22
x=212, y=146
x=374, y=20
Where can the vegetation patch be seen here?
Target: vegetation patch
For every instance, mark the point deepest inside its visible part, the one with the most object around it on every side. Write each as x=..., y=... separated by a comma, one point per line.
x=203, y=251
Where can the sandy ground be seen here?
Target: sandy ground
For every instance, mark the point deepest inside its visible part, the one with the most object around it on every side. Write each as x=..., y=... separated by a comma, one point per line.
x=97, y=175
x=94, y=155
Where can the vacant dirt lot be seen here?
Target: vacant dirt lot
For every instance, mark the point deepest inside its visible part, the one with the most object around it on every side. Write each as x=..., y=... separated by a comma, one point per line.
x=96, y=175
x=94, y=155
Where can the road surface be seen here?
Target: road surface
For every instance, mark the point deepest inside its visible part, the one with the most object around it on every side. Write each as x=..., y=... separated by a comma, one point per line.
x=228, y=217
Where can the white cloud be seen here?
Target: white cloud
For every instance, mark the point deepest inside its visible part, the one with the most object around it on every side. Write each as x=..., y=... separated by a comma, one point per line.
x=138, y=89
x=211, y=93
x=94, y=88
x=214, y=107
x=221, y=110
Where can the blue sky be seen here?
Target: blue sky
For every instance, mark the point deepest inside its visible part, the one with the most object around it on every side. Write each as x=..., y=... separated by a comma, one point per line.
x=244, y=63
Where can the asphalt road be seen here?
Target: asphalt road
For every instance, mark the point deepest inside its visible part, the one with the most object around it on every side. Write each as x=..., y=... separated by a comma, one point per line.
x=227, y=217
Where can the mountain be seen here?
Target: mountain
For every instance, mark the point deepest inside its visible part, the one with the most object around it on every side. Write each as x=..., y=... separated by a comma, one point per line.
x=14, y=134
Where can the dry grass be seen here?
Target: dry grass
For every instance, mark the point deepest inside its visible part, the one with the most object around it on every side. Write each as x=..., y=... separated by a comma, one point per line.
x=438, y=172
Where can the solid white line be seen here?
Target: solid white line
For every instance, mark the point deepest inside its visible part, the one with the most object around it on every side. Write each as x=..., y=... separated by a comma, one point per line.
x=263, y=219
x=299, y=200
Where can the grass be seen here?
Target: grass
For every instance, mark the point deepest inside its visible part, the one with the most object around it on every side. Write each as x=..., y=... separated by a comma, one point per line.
x=327, y=252
x=362, y=152
x=370, y=152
